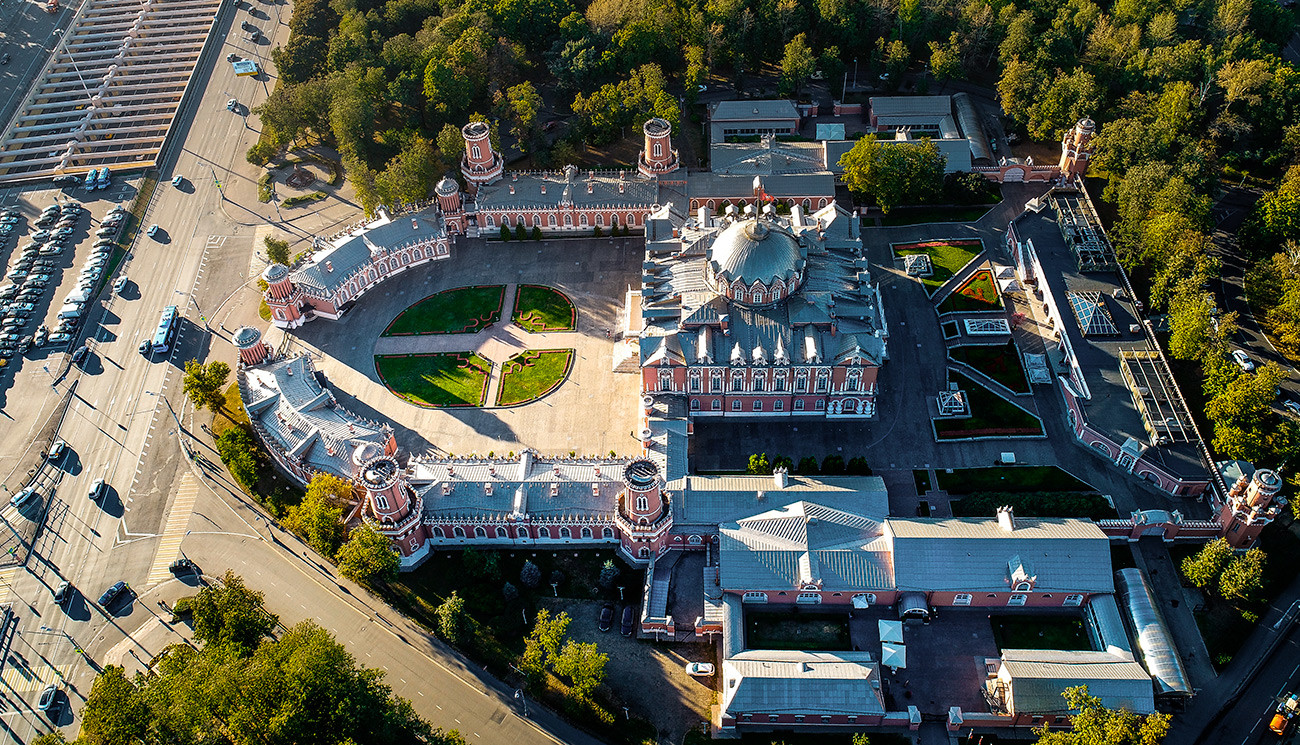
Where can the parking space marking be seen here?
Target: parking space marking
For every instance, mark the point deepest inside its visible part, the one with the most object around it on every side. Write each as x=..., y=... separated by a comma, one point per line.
x=174, y=532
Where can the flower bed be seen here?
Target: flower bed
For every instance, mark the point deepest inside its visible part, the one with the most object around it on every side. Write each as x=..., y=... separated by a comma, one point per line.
x=539, y=308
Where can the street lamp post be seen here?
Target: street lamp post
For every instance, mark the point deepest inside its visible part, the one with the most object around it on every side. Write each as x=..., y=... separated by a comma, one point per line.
x=519, y=696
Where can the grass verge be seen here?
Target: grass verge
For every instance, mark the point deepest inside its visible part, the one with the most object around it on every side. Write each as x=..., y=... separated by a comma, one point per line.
x=264, y=188
x=924, y=215
x=1009, y=479
x=459, y=311
x=1040, y=632
x=807, y=631
x=531, y=375
x=1035, y=504
x=315, y=196
x=436, y=380
x=947, y=256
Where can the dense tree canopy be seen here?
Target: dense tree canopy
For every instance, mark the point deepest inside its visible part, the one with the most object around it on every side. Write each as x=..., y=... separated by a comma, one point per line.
x=894, y=173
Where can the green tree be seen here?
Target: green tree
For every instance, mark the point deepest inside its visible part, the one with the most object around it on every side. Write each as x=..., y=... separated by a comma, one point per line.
x=530, y=575
x=318, y=519
x=451, y=143
x=1093, y=723
x=797, y=65
x=230, y=616
x=362, y=177
x=1194, y=328
x=583, y=665
x=1203, y=569
x=115, y=711
x=238, y=450
x=536, y=234
x=833, y=464
x=509, y=593
x=946, y=61
x=608, y=574
x=807, y=465
x=894, y=173
x=543, y=645
x=368, y=557
x=452, y=621
x=50, y=738
x=277, y=250
x=1243, y=577
x=506, y=235
x=1245, y=425
x=759, y=464
x=203, y=384
x=521, y=233
x=525, y=103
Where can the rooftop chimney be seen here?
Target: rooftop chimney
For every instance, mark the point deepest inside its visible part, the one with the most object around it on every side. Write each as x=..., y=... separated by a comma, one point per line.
x=781, y=477
x=1006, y=518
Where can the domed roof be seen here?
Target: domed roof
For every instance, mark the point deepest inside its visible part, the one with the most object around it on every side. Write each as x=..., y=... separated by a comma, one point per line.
x=446, y=187
x=756, y=250
x=366, y=451
x=246, y=336
x=275, y=272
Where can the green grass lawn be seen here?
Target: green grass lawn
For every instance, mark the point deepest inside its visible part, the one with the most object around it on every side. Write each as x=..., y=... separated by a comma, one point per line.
x=1035, y=504
x=532, y=374
x=1040, y=632
x=922, y=215
x=811, y=631
x=1009, y=479
x=991, y=415
x=948, y=258
x=436, y=380
x=1000, y=362
x=976, y=293
x=922, y=479
x=539, y=308
x=462, y=310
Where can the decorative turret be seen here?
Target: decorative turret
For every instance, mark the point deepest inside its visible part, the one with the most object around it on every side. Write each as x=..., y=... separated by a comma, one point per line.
x=1249, y=507
x=658, y=157
x=282, y=297
x=642, y=515
x=387, y=496
x=252, y=350
x=1077, y=148
x=480, y=164
x=453, y=213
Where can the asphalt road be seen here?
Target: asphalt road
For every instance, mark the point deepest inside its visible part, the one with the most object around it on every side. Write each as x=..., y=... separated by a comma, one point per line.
x=1246, y=723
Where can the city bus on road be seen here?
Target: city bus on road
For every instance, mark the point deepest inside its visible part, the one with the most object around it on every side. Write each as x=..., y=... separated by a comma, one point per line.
x=166, y=333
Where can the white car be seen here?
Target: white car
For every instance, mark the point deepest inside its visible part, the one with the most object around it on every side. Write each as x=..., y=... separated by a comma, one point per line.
x=153, y=230
x=119, y=285
x=1292, y=406
x=60, y=338
x=699, y=669
x=1243, y=360
x=231, y=104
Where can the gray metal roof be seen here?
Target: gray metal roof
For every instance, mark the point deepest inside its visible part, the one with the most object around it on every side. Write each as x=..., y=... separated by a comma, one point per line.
x=331, y=268
x=767, y=157
x=911, y=108
x=524, y=190
x=810, y=683
x=1037, y=678
x=756, y=251
x=525, y=484
x=712, y=500
x=804, y=543
x=974, y=554
x=705, y=185
x=743, y=111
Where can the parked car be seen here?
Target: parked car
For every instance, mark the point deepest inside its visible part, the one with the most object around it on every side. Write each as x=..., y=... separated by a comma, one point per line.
x=106, y=232
x=119, y=284
x=1292, y=406
x=51, y=250
x=49, y=701
x=67, y=180
x=63, y=593
x=232, y=57
x=80, y=355
x=146, y=347
x=113, y=593
x=606, y=617
x=98, y=489
x=1243, y=360
x=629, y=623
x=183, y=565
x=153, y=230
x=699, y=669
x=231, y=104
x=60, y=338
x=40, y=235
x=178, y=180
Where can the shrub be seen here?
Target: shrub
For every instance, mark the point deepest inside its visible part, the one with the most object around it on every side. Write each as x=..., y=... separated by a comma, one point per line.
x=261, y=153
x=505, y=233
x=833, y=464
x=238, y=449
x=807, y=465
x=597, y=232
x=608, y=574
x=557, y=577
x=277, y=250
x=520, y=233
x=759, y=465
x=858, y=466
x=264, y=190
x=509, y=593
x=537, y=233
x=530, y=575
x=315, y=196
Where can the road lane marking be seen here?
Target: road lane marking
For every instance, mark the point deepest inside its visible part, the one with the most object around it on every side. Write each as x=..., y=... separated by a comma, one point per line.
x=174, y=533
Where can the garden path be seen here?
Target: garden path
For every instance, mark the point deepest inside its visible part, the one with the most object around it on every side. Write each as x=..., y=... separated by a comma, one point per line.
x=496, y=343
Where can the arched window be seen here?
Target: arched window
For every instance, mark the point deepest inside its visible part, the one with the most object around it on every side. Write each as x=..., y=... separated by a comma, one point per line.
x=488, y=219
x=543, y=532
x=521, y=532
x=586, y=532
x=582, y=220
x=821, y=203
x=659, y=149
x=695, y=540
x=807, y=204
x=607, y=533
x=613, y=220
x=437, y=532
x=501, y=532
x=565, y=533
x=477, y=153
x=600, y=219
x=381, y=502
x=550, y=219
x=479, y=532
x=631, y=219
x=568, y=221
x=709, y=204
x=537, y=220
x=460, y=532
x=644, y=553
x=642, y=504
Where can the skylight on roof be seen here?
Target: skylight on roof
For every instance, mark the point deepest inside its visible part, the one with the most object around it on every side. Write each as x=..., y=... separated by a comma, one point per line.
x=1090, y=310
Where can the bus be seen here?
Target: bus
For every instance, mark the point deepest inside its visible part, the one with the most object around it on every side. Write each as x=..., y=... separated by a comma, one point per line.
x=89, y=183
x=166, y=333
x=102, y=180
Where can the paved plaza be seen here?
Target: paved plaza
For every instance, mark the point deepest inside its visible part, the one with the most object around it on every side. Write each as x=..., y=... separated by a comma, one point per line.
x=592, y=412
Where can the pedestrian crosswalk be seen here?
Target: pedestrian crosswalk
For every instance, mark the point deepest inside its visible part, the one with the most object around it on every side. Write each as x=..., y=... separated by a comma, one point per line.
x=170, y=543
x=7, y=582
x=20, y=677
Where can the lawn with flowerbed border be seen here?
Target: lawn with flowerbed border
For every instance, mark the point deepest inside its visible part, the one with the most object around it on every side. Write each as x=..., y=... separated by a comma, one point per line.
x=464, y=310
x=1000, y=362
x=533, y=374
x=539, y=308
x=978, y=292
x=947, y=257
x=436, y=381
x=991, y=415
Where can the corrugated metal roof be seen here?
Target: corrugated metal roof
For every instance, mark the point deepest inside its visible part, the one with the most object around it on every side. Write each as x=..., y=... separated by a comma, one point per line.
x=810, y=683
x=1037, y=678
x=739, y=111
x=331, y=268
x=1067, y=555
x=546, y=190
x=919, y=107
x=712, y=500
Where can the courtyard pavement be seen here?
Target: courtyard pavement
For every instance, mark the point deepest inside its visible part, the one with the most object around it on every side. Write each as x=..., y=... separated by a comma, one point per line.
x=496, y=343
x=593, y=412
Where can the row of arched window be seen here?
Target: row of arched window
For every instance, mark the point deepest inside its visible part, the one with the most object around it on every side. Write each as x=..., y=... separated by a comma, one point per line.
x=362, y=282
x=521, y=532
x=807, y=203
x=552, y=221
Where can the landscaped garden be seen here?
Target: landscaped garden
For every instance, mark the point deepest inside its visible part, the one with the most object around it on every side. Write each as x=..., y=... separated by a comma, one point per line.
x=1000, y=362
x=436, y=380
x=948, y=257
x=458, y=311
x=1065, y=633
x=991, y=415
x=978, y=292
x=531, y=375
x=1008, y=479
x=539, y=308
x=811, y=631
x=926, y=215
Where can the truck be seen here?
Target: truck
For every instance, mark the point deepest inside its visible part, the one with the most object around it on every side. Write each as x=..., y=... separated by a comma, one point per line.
x=1287, y=708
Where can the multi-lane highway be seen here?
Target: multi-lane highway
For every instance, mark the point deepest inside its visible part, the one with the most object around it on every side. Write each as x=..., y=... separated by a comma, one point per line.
x=128, y=424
